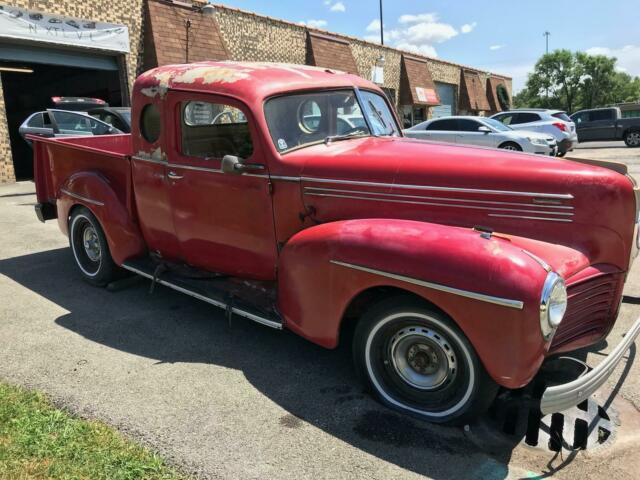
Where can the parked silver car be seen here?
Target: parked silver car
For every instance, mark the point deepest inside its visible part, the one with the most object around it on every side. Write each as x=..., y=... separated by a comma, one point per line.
x=551, y=122
x=62, y=123
x=484, y=132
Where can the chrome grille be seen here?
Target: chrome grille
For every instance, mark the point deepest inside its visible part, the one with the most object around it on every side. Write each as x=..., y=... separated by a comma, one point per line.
x=591, y=304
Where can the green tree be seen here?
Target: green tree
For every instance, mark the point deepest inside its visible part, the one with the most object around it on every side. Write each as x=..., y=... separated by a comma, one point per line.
x=572, y=81
x=598, y=79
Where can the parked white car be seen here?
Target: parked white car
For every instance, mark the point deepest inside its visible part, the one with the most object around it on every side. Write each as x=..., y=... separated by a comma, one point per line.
x=483, y=132
x=552, y=122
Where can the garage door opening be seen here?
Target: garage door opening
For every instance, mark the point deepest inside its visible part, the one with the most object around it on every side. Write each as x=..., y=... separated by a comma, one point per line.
x=26, y=93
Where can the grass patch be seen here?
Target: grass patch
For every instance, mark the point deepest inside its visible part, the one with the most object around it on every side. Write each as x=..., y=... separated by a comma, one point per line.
x=39, y=441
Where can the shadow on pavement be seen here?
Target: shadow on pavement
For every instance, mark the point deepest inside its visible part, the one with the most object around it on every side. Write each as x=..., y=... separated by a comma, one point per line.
x=314, y=385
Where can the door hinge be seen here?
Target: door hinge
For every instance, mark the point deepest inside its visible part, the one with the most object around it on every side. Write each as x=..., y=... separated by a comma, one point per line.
x=270, y=188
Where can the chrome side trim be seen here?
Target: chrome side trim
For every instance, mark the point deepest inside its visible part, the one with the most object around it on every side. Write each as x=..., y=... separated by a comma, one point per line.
x=425, y=197
x=542, y=263
x=561, y=397
x=566, y=196
x=285, y=178
x=523, y=217
x=504, y=302
x=436, y=204
x=236, y=310
x=80, y=197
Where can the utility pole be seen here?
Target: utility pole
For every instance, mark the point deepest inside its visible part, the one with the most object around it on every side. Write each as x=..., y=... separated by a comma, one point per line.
x=381, y=26
x=546, y=34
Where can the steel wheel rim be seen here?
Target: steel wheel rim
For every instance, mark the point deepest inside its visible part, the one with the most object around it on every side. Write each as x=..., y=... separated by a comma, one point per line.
x=634, y=138
x=422, y=358
x=510, y=147
x=91, y=244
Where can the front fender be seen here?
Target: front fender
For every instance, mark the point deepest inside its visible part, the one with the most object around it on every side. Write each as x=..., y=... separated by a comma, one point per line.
x=320, y=272
x=94, y=192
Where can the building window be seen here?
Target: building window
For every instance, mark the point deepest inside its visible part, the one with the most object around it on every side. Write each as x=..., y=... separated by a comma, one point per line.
x=413, y=115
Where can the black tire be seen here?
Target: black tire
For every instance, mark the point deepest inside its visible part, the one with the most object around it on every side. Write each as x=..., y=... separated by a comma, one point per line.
x=514, y=147
x=632, y=139
x=387, y=329
x=101, y=269
x=561, y=154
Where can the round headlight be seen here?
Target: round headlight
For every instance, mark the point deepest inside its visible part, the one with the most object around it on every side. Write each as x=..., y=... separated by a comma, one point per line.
x=553, y=304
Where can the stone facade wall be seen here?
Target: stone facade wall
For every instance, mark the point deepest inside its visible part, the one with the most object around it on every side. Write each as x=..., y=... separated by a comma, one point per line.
x=254, y=38
x=123, y=12
x=366, y=55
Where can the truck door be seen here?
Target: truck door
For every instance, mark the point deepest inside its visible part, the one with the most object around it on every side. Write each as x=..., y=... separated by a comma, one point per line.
x=223, y=221
x=602, y=124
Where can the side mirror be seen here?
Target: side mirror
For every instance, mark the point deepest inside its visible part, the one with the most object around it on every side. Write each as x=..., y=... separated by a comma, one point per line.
x=484, y=129
x=233, y=164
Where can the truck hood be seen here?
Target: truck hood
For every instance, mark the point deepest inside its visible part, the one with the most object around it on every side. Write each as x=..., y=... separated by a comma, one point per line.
x=585, y=207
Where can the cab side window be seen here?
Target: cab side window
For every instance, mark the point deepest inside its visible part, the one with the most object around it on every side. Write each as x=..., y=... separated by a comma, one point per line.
x=213, y=130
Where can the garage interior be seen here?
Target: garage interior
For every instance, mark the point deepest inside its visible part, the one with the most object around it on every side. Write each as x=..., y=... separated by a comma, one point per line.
x=31, y=76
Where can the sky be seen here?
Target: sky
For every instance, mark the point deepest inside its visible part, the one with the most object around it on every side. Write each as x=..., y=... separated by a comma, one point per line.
x=505, y=37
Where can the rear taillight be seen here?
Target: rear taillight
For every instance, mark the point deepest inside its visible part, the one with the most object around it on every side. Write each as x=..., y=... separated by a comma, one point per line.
x=561, y=126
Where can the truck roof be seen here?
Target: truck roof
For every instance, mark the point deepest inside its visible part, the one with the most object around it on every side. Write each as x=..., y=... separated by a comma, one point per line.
x=246, y=80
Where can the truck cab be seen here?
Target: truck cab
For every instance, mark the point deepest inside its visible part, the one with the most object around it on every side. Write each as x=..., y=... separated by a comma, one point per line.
x=287, y=195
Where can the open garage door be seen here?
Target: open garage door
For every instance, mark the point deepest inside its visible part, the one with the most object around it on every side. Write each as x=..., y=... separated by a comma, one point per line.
x=29, y=89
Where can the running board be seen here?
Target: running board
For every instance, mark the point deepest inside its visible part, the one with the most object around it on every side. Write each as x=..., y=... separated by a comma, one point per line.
x=212, y=297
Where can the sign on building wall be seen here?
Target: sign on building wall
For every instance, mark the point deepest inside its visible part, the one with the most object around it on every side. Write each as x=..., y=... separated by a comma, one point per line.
x=19, y=23
x=426, y=95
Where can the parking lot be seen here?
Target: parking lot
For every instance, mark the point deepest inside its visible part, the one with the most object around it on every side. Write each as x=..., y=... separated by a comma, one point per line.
x=240, y=400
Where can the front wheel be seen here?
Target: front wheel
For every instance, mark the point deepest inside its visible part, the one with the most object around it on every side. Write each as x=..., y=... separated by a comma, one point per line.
x=632, y=139
x=417, y=361
x=514, y=147
x=90, y=248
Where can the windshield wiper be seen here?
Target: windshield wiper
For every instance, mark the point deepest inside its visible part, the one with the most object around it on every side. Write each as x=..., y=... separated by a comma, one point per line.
x=347, y=136
x=388, y=128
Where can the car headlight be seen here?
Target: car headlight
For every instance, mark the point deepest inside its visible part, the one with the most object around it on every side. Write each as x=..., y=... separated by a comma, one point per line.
x=537, y=141
x=553, y=304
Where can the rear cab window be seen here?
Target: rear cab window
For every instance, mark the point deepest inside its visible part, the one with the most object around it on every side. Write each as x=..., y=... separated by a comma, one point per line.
x=213, y=130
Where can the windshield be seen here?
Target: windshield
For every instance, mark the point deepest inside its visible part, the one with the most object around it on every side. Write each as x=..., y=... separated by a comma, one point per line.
x=304, y=119
x=496, y=125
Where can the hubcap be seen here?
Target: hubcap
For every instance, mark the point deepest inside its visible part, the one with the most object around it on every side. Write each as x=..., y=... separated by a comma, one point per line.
x=510, y=147
x=91, y=244
x=634, y=138
x=422, y=358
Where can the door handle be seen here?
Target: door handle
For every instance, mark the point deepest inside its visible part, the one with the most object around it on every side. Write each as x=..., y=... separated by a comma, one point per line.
x=174, y=176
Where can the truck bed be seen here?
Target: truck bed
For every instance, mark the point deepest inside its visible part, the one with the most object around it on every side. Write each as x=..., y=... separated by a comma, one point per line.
x=58, y=159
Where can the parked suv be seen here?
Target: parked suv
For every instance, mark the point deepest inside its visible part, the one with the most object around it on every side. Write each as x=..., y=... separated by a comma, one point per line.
x=483, y=132
x=553, y=122
x=602, y=124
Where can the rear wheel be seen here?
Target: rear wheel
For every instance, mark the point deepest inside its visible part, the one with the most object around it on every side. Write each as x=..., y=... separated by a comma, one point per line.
x=417, y=361
x=90, y=248
x=511, y=146
x=632, y=139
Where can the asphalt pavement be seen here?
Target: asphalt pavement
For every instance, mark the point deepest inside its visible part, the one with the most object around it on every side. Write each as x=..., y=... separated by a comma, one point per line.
x=242, y=401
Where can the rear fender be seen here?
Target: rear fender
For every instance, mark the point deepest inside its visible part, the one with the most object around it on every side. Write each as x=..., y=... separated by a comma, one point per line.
x=324, y=267
x=94, y=192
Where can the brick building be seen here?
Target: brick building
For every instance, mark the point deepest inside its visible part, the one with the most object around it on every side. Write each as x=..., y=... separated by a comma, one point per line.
x=70, y=48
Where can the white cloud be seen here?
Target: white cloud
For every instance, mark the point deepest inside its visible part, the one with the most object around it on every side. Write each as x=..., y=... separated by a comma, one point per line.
x=628, y=57
x=314, y=23
x=420, y=18
x=374, y=26
x=496, y=47
x=338, y=7
x=417, y=33
x=468, y=27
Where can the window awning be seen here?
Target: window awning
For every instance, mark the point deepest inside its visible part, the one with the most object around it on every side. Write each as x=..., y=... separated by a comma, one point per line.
x=165, y=41
x=473, y=94
x=416, y=84
x=330, y=52
x=492, y=93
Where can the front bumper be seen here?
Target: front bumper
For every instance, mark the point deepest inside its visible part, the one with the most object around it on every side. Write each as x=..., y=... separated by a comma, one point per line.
x=562, y=397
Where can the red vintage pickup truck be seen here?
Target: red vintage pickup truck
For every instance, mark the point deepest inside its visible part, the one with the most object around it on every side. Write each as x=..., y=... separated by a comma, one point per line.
x=288, y=195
